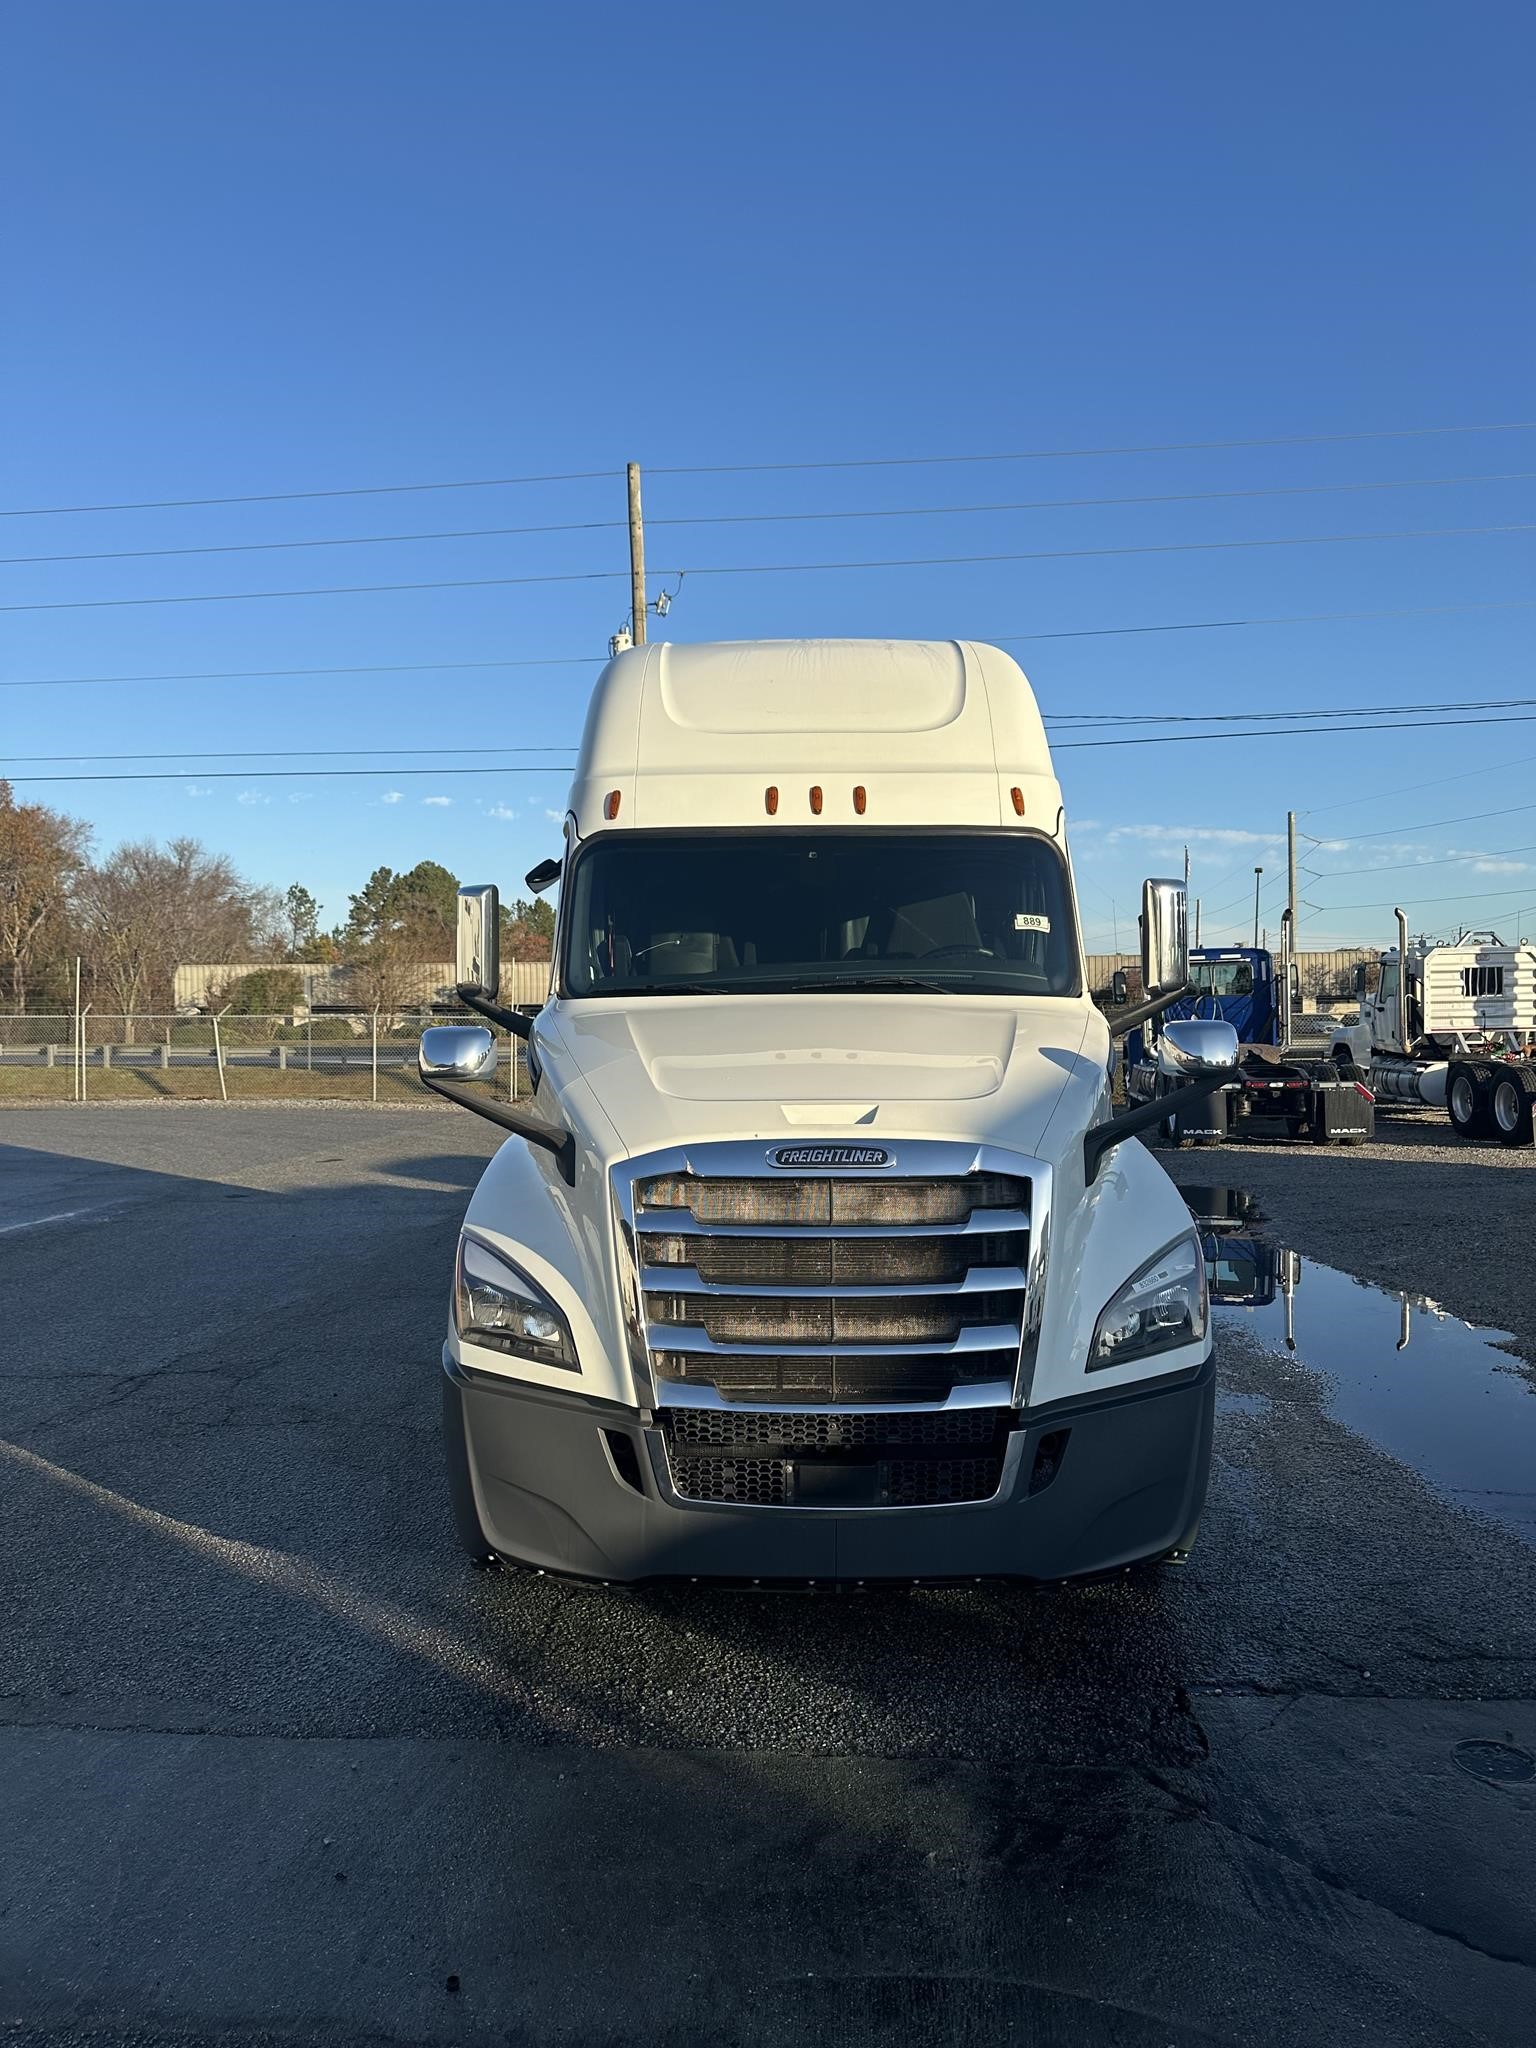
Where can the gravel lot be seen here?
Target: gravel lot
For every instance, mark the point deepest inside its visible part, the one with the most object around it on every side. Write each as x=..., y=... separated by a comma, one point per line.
x=1418, y=1208
x=278, y=1768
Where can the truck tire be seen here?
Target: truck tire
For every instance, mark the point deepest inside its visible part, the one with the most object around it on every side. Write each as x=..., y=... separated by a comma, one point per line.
x=1467, y=1090
x=1510, y=1104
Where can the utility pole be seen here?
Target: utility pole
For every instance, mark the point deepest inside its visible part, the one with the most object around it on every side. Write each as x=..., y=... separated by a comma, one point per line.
x=637, y=605
x=1258, y=875
x=1197, y=924
x=1290, y=865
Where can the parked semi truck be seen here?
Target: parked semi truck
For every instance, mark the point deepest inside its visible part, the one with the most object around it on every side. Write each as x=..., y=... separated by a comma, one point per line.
x=1278, y=1090
x=820, y=1253
x=1453, y=1027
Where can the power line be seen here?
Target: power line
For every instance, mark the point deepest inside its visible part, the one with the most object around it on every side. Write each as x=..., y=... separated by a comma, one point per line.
x=485, y=483
x=1412, y=611
x=1408, y=867
x=786, y=568
x=1067, y=454
x=1403, y=896
x=230, y=675
x=475, y=483
x=297, y=754
x=363, y=540
x=1433, y=824
x=281, y=774
x=998, y=639
x=1175, y=739
x=1408, y=789
x=1097, y=718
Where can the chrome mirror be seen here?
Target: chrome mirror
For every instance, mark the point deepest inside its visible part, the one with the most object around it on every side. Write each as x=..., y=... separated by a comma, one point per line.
x=1164, y=937
x=478, y=968
x=1119, y=986
x=457, y=1052
x=1198, y=1045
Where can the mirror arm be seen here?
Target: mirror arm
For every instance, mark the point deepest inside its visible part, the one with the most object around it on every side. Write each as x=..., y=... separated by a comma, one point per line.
x=1104, y=1137
x=1145, y=1010
x=519, y=1121
x=509, y=1020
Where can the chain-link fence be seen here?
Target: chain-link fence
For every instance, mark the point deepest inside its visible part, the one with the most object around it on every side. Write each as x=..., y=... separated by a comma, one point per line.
x=358, y=1056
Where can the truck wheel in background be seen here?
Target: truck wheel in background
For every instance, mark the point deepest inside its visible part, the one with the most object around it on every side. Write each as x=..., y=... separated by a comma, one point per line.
x=1467, y=1091
x=1510, y=1102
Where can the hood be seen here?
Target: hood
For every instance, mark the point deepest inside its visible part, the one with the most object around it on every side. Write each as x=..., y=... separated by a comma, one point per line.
x=669, y=1070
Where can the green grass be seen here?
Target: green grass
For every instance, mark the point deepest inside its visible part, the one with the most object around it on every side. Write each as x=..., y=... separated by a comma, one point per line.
x=21, y=1086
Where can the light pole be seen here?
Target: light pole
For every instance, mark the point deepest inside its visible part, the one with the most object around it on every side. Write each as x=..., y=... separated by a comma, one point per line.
x=1258, y=876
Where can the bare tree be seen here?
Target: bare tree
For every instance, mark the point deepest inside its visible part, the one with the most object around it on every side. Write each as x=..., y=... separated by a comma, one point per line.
x=41, y=855
x=148, y=909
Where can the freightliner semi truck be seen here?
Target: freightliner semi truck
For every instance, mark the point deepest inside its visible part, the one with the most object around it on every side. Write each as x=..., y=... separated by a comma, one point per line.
x=821, y=1254
x=1280, y=1090
x=1454, y=1027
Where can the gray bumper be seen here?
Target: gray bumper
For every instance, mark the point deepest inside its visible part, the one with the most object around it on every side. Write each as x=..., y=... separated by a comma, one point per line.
x=537, y=1479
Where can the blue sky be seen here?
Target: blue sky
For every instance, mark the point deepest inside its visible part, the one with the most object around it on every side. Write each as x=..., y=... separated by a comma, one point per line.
x=285, y=248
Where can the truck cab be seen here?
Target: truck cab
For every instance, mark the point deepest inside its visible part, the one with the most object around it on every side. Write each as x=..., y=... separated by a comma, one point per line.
x=821, y=1254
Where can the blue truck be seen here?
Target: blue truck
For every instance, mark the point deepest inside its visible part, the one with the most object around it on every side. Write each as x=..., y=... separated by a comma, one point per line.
x=1278, y=1091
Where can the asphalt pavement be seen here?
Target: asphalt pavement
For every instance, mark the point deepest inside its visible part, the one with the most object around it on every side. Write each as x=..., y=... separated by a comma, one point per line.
x=277, y=1766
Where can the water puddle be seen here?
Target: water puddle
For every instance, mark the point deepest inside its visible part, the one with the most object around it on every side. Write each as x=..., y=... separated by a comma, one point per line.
x=1398, y=1369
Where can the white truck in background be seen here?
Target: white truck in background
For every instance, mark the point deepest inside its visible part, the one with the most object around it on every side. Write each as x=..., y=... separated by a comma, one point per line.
x=1454, y=1027
x=822, y=1255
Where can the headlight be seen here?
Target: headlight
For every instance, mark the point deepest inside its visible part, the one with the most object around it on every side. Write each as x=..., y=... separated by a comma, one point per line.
x=496, y=1305
x=1158, y=1309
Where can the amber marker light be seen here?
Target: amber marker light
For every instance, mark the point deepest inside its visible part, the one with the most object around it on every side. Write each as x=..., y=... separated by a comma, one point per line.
x=815, y=799
x=859, y=798
x=771, y=800
x=611, y=804
x=1018, y=800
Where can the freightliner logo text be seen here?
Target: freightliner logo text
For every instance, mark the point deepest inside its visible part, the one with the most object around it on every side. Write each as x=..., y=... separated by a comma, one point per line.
x=829, y=1155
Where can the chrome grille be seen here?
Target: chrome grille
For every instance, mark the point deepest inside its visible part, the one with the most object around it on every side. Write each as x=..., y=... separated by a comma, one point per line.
x=804, y=1376
x=831, y=1288
x=827, y=1199
x=842, y=1319
x=830, y=1261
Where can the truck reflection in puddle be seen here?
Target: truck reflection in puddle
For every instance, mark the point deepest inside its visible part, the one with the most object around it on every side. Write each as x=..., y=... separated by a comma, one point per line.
x=1397, y=1368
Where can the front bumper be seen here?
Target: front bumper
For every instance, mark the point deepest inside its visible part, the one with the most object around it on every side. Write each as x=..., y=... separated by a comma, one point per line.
x=571, y=1485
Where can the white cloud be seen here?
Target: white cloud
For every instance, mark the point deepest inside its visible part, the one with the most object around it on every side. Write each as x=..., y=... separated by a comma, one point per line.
x=439, y=802
x=501, y=811
x=393, y=796
x=300, y=796
x=1500, y=867
x=253, y=796
x=555, y=817
x=196, y=789
x=1209, y=835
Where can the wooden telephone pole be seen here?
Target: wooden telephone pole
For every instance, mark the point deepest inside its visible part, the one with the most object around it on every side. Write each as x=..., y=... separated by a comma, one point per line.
x=637, y=604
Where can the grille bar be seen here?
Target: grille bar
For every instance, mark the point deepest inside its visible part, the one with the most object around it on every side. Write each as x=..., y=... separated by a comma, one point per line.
x=823, y=1260
x=827, y=1199
x=765, y=1376
x=810, y=1316
x=989, y=1337
x=683, y=1223
x=981, y=1280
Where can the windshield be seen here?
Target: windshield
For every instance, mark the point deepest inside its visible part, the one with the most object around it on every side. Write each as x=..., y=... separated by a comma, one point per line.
x=988, y=913
x=1221, y=977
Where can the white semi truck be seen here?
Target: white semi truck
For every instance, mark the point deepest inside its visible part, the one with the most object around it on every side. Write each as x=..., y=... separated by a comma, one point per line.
x=821, y=1254
x=1452, y=1026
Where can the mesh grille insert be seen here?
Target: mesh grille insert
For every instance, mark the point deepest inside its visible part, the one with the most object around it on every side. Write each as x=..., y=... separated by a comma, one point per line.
x=714, y=1428
x=784, y=1459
